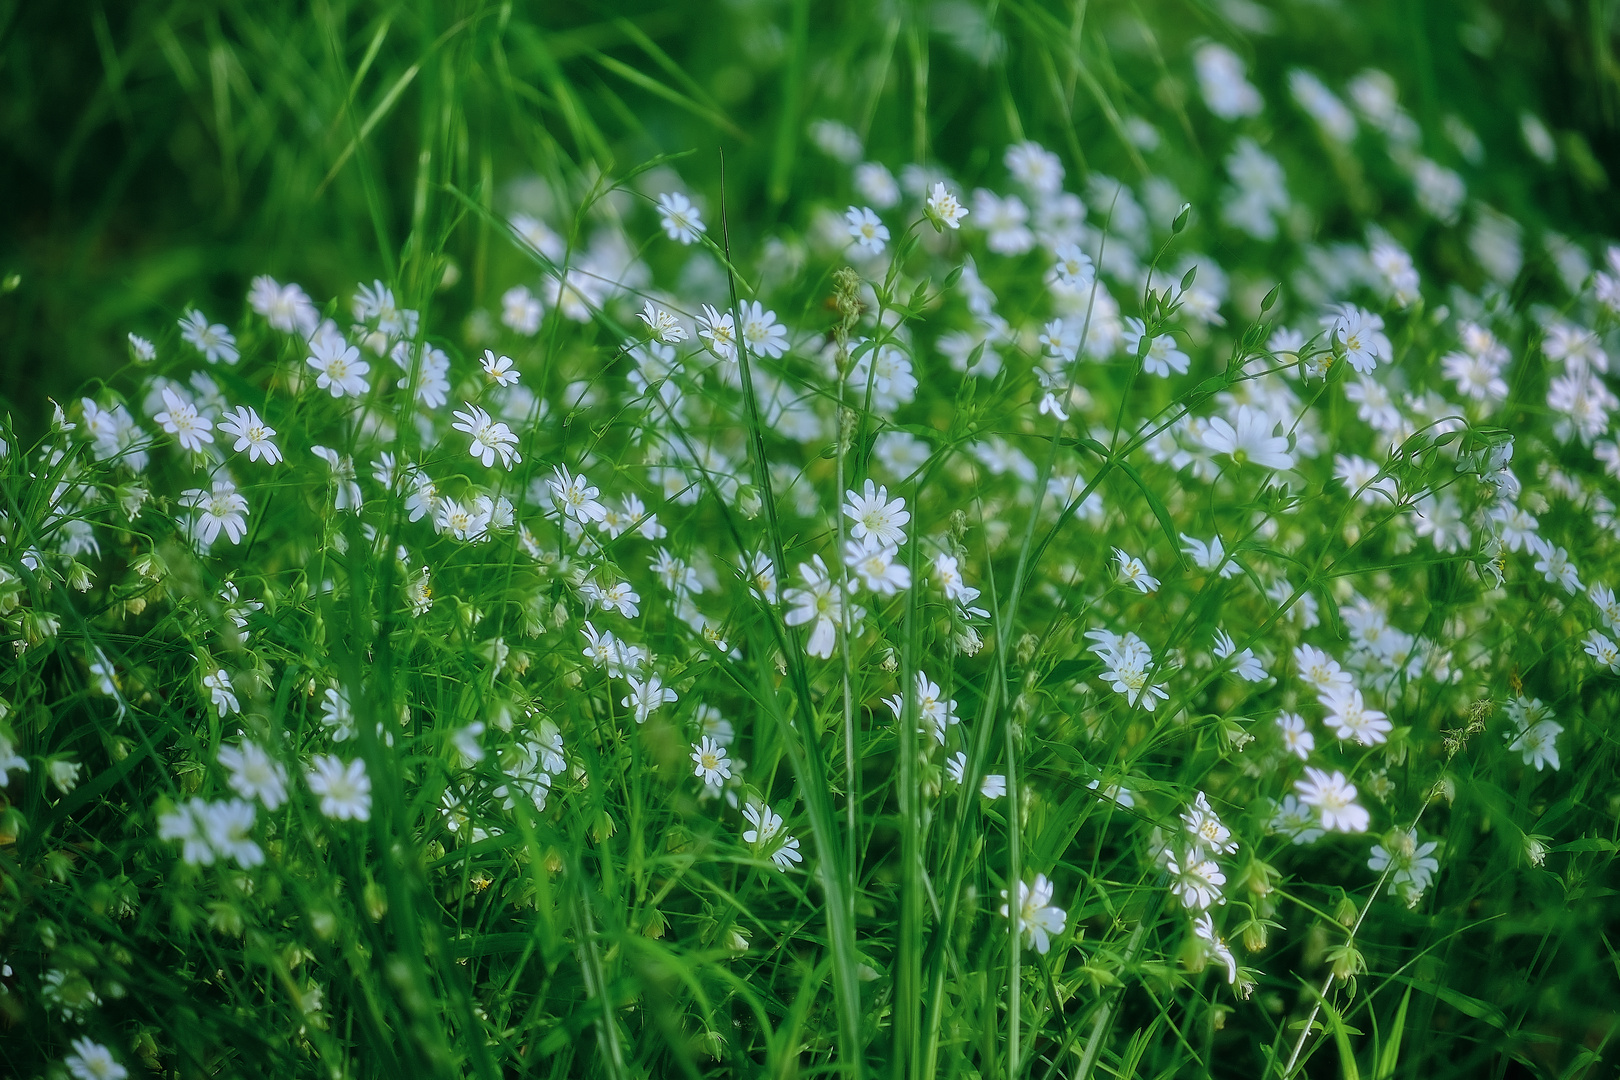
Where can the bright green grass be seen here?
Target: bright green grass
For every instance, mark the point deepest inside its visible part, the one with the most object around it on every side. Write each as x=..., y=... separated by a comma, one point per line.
x=335, y=145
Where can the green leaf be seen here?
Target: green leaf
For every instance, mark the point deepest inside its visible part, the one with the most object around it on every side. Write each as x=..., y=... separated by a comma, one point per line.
x=1391, y=1052
x=1160, y=511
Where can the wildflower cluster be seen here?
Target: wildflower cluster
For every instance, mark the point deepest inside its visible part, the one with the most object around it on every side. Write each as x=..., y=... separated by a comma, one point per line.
x=656, y=614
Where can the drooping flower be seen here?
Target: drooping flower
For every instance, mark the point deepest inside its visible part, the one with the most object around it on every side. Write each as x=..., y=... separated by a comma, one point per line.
x=1039, y=920
x=489, y=436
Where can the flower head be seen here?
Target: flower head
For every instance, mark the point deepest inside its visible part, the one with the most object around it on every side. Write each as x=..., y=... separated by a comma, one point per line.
x=867, y=229
x=252, y=434
x=710, y=763
x=344, y=789
x=489, y=436
x=1038, y=919
x=681, y=220
x=1334, y=799
x=943, y=208
x=339, y=368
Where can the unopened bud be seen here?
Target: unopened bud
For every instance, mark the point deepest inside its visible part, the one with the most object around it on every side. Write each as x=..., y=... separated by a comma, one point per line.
x=1346, y=912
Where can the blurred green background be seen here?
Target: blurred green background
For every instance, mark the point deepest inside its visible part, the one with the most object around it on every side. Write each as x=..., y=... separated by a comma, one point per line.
x=159, y=152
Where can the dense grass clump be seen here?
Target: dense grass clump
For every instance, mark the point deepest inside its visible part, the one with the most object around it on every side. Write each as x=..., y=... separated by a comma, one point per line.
x=1026, y=541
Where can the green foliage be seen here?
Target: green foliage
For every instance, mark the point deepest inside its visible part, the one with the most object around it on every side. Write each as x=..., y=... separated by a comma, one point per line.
x=491, y=914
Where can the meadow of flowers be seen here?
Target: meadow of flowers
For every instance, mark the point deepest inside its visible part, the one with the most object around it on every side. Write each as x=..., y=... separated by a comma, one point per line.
x=1057, y=606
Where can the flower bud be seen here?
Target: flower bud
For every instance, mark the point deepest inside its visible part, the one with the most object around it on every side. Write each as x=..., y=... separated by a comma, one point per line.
x=1346, y=912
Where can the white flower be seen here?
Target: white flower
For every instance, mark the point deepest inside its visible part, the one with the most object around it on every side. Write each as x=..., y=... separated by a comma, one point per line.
x=874, y=514
x=181, y=419
x=619, y=597
x=499, y=369
x=1538, y=743
x=1330, y=114
x=489, y=436
x=64, y=774
x=710, y=763
x=761, y=332
x=1603, y=599
x=1210, y=556
x=1197, y=884
x=1361, y=335
x=575, y=496
x=1038, y=919
x=1206, y=829
x=764, y=831
x=944, y=208
x=218, y=510
x=1126, y=660
x=344, y=789
x=1162, y=356
x=1223, y=83
x=1215, y=945
x=143, y=351
x=1555, y=566
x=1131, y=570
x=346, y=495
x=338, y=364
x=1601, y=649
x=1062, y=341
x=376, y=301
x=212, y=340
x=867, y=229
x=877, y=565
x=1074, y=267
x=1036, y=167
x=432, y=372
x=92, y=1061
x=182, y=824
x=876, y=185
x=604, y=650
x=221, y=694
x=935, y=712
x=1249, y=439
x=681, y=220
x=819, y=602
x=1296, y=738
x=1245, y=664
x=1320, y=671
x=647, y=696
x=226, y=826
x=719, y=331
x=10, y=761
x=255, y=774
x=1005, y=221
x=252, y=434
x=286, y=307
x=1334, y=799
x=521, y=310
x=1350, y=718
x=664, y=326
x=1412, y=866
x=1296, y=821
x=336, y=714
